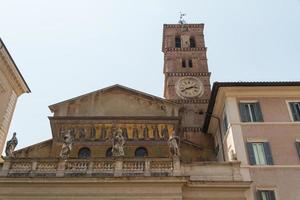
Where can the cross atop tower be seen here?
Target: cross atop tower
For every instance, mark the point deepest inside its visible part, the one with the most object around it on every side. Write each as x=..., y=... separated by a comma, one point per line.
x=181, y=20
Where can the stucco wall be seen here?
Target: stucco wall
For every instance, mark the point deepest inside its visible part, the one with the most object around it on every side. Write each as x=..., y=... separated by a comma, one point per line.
x=281, y=138
x=284, y=180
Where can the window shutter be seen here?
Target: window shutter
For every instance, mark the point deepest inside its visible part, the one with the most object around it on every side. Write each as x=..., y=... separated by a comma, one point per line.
x=244, y=113
x=293, y=107
x=258, y=112
x=298, y=148
x=258, y=195
x=268, y=153
x=251, y=153
x=272, y=195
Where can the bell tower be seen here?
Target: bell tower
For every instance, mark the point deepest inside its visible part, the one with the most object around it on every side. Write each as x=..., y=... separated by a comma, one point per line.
x=187, y=79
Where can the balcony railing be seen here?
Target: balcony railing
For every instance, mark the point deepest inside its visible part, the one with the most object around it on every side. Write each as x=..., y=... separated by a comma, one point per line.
x=93, y=167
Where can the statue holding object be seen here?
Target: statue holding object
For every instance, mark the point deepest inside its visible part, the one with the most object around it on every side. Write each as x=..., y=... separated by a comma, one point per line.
x=11, y=145
x=118, y=142
x=173, y=145
x=67, y=145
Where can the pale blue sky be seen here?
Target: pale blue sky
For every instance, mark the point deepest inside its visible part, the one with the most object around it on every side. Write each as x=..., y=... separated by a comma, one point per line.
x=68, y=48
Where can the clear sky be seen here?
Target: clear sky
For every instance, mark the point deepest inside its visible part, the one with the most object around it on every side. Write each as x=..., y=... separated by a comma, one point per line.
x=68, y=48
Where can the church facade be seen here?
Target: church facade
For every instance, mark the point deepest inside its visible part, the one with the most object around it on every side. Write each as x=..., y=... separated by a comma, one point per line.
x=120, y=143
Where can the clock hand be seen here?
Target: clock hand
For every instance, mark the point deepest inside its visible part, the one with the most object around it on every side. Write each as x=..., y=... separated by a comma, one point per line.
x=187, y=88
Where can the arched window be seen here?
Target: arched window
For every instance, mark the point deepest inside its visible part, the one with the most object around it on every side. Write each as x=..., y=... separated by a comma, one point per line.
x=192, y=42
x=177, y=42
x=190, y=63
x=84, y=153
x=108, y=153
x=141, y=152
x=183, y=63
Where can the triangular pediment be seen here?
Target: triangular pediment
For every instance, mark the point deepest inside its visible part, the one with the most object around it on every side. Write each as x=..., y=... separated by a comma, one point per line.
x=116, y=100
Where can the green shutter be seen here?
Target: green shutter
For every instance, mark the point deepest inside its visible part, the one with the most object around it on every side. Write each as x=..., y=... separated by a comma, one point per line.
x=272, y=195
x=258, y=195
x=258, y=113
x=268, y=153
x=251, y=154
x=293, y=110
x=244, y=113
x=298, y=148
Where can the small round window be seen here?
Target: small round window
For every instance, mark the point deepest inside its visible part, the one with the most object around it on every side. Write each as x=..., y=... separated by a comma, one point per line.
x=84, y=153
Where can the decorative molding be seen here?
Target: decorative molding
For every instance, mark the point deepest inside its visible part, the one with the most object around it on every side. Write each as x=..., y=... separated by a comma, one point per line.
x=191, y=101
x=188, y=74
x=2, y=88
x=257, y=140
x=185, y=49
x=191, y=129
x=11, y=74
x=186, y=25
x=263, y=123
x=270, y=166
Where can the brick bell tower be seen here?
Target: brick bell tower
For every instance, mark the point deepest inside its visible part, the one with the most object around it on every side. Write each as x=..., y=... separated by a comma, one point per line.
x=187, y=79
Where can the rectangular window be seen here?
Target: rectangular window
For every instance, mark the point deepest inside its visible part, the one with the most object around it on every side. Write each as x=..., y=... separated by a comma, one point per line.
x=266, y=195
x=298, y=147
x=250, y=112
x=183, y=63
x=259, y=153
x=190, y=63
x=295, y=110
x=177, y=42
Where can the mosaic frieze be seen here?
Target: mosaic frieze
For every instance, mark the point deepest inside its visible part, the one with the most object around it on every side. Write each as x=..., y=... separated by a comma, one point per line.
x=103, y=132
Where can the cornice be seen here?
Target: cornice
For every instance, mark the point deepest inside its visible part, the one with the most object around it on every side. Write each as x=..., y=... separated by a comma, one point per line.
x=134, y=118
x=188, y=74
x=95, y=180
x=191, y=101
x=183, y=25
x=12, y=72
x=184, y=49
x=191, y=129
x=11, y=76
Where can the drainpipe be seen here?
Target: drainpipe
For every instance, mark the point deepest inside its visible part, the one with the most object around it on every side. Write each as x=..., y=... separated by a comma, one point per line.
x=220, y=130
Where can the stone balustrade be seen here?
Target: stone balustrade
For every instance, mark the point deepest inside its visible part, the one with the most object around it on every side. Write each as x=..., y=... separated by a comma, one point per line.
x=122, y=167
x=82, y=167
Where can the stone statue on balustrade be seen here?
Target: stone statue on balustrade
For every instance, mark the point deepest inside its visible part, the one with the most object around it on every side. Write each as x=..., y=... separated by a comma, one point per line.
x=173, y=146
x=67, y=145
x=118, y=142
x=11, y=145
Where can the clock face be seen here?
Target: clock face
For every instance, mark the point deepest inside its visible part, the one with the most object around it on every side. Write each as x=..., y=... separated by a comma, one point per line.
x=189, y=87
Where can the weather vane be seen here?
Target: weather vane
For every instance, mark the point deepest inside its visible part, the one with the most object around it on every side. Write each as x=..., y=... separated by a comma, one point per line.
x=181, y=20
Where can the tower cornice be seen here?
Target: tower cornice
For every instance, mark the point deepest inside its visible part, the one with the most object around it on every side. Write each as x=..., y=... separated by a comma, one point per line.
x=187, y=74
x=184, y=49
x=184, y=25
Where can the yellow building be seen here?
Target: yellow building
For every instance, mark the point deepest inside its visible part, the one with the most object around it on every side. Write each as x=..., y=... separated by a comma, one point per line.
x=12, y=85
